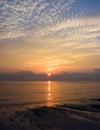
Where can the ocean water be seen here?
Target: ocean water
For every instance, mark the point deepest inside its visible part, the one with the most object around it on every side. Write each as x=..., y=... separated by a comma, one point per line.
x=48, y=93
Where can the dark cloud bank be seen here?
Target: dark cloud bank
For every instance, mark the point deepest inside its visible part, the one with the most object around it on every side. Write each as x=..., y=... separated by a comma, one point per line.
x=64, y=76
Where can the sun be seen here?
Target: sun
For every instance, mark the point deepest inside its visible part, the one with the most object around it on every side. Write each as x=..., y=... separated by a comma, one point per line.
x=49, y=74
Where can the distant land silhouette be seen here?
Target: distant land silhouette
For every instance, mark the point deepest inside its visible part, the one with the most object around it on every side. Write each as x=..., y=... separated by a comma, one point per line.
x=63, y=76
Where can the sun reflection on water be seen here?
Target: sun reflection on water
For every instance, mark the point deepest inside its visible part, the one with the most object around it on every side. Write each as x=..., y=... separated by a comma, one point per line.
x=49, y=93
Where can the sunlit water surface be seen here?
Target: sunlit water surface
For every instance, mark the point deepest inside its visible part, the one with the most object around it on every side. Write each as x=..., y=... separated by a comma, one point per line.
x=33, y=94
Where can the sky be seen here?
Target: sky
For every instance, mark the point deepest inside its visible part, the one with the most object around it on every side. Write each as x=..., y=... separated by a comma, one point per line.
x=49, y=36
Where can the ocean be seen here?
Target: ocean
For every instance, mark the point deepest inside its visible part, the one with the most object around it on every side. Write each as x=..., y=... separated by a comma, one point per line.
x=48, y=93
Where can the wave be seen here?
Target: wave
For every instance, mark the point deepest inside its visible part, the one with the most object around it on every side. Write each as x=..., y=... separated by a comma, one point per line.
x=22, y=104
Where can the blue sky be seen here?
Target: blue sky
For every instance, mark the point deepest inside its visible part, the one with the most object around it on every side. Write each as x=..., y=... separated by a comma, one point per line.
x=49, y=35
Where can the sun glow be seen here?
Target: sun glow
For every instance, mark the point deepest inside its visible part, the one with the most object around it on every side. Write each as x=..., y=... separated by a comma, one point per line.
x=49, y=74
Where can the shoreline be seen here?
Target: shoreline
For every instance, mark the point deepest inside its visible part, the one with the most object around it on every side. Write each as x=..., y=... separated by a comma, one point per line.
x=59, y=117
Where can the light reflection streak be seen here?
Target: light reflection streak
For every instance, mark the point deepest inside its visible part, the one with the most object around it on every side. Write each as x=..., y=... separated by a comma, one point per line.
x=49, y=93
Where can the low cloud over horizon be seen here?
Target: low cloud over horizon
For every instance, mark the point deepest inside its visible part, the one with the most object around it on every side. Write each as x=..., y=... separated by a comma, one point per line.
x=63, y=76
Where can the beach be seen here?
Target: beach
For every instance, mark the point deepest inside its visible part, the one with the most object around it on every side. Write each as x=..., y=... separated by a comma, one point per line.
x=59, y=117
x=49, y=106
x=49, y=64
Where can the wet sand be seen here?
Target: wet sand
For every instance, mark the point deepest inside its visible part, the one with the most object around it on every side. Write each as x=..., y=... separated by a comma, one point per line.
x=59, y=117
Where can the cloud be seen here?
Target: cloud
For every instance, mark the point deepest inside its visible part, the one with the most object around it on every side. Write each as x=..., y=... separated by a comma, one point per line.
x=64, y=76
x=33, y=30
x=18, y=17
x=43, y=20
x=29, y=18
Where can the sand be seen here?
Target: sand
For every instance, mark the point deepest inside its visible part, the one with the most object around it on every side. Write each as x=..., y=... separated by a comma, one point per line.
x=52, y=118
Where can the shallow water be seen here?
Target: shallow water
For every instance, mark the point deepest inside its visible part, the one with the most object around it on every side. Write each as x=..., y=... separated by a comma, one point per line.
x=17, y=94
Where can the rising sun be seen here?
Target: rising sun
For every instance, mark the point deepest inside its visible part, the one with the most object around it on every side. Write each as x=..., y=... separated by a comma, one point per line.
x=49, y=74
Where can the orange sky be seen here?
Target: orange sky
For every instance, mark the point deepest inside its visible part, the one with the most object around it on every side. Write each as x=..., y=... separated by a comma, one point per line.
x=49, y=37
